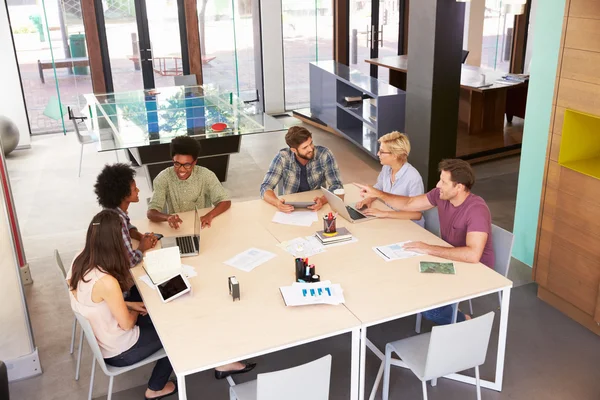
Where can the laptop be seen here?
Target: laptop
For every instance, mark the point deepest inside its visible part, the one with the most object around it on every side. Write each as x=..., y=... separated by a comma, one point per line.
x=189, y=245
x=349, y=213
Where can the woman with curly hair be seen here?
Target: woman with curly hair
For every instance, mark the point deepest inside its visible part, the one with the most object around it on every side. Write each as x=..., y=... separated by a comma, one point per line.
x=116, y=189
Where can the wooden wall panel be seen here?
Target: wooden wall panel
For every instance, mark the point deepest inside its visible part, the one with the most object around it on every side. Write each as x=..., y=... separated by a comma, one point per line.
x=559, y=117
x=555, y=147
x=585, y=9
x=583, y=34
x=580, y=96
x=573, y=277
x=581, y=65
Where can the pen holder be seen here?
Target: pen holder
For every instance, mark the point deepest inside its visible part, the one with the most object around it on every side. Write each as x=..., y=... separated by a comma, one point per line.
x=329, y=227
x=300, y=269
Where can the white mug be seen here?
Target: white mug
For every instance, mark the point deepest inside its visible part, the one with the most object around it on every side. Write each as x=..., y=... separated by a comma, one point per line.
x=340, y=193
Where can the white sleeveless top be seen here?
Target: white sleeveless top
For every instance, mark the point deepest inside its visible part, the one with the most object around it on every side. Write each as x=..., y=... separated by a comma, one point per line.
x=112, y=339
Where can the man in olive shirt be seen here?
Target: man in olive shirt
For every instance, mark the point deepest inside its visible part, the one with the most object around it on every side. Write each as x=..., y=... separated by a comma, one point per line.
x=185, y=186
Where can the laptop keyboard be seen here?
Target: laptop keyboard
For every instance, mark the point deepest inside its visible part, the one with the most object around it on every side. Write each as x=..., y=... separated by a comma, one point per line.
x=186, y=244
x=354, y=214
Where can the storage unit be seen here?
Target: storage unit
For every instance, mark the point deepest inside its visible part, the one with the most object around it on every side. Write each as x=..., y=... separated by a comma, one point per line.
x=567, y=259
x=381, y=110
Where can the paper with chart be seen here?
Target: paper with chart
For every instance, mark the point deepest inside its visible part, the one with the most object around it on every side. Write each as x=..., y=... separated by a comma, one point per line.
x=250, y=259
x=162, y=264
x=394, y=251
x=297, y=218
x=303, y=294
x=303, y=247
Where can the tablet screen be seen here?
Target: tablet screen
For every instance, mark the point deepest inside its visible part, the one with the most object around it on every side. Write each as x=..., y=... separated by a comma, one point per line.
x=172, y=287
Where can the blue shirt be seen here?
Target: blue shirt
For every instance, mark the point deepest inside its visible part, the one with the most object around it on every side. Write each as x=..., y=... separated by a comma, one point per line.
x=408, y=182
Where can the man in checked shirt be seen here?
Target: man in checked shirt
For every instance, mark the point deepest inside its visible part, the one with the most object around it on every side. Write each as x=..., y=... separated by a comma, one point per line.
x=300, y=168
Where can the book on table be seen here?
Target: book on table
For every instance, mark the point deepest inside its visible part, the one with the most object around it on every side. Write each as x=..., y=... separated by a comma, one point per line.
x=341, y=235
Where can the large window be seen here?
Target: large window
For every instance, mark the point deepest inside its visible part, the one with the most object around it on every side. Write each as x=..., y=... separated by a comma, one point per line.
x=307, y=36
x=498, y=27
x=227, y=43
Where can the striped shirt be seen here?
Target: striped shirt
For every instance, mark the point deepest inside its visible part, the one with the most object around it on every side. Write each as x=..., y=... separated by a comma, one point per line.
x=135, y=256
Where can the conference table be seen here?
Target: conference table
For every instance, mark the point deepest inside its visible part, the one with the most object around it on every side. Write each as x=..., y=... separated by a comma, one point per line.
x=201, y=330
x=483, y=94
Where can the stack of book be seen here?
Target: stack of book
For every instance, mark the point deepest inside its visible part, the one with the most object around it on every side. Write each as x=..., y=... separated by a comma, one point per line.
x=342, y=235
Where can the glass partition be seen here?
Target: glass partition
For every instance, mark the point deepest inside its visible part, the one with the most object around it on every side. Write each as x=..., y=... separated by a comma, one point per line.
x=307, y=27
x=498, y=26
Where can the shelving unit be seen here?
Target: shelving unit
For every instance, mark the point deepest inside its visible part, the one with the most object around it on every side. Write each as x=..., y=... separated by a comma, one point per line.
x=381, y=111
x=580, y=144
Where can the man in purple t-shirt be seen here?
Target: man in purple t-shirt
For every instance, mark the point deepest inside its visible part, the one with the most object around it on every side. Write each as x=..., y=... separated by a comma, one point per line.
x=465, y=222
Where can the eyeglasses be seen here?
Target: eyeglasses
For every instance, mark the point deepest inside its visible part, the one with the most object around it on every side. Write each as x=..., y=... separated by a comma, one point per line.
x=186, y=166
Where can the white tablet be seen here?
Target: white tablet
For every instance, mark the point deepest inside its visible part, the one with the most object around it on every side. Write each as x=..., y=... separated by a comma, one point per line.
x=173, y=287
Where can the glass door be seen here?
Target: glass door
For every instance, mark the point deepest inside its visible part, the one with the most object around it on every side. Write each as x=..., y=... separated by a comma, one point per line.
x=362, y=16
x=143, y=43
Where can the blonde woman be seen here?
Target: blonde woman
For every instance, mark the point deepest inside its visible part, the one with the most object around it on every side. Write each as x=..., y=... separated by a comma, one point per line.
x=396, y=177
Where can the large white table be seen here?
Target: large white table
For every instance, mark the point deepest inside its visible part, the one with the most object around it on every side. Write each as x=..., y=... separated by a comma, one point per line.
x=375, y=291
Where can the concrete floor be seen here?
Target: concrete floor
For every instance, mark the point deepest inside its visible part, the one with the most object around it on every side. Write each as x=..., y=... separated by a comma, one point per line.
x=548, y=355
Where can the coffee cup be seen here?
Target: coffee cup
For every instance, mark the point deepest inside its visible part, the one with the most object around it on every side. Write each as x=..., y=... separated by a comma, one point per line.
x=340, y=193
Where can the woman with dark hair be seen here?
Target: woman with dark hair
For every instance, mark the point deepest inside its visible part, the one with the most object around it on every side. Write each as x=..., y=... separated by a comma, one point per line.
x=97, y=279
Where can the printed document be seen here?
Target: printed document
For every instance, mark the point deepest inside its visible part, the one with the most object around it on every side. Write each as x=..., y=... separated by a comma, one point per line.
x=394, y=251
x=297, y=218
x=250, y=259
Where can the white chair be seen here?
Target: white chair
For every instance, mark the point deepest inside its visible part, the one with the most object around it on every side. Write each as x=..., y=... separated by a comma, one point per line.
x=83, y=139
x=307, y=381
x=185, y=80
x=63, y=273
x=502, y=242
x=445, y=350
x=432, y=221
x=109, y=370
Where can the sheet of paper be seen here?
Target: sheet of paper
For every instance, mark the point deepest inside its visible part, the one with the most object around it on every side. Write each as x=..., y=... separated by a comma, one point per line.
x=303, y=294
x=297, y=218
x=394, y=251
x=147, y=281
x=250, y=259
x=162, y=264
x=189, y=271
x=303, y=247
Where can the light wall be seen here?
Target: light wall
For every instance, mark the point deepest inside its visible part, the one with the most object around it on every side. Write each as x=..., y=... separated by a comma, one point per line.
x=14, y=333
x=12, y=103
x=544, y=62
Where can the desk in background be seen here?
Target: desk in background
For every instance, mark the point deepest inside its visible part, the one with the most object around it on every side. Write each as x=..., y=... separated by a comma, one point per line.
x=481, y=109
x=201, y=330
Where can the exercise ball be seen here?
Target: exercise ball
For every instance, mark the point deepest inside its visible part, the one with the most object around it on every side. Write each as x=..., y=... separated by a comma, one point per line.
x=9, y=135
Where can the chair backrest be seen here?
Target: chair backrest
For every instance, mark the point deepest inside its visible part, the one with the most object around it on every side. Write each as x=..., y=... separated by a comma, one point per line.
x=4, y=393
x=185, y=80
x=465, y=54
x=502, y=241
x=91, y=339
x=456, y=347
x=75, y=126
x=307, y=381
x=59, y=263
x=432, y=221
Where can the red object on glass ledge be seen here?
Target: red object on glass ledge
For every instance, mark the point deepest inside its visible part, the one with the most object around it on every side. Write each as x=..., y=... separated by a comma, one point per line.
x=219, y=126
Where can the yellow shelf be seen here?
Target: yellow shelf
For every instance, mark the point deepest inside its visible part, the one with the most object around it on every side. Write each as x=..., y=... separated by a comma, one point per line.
x=580, y=143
